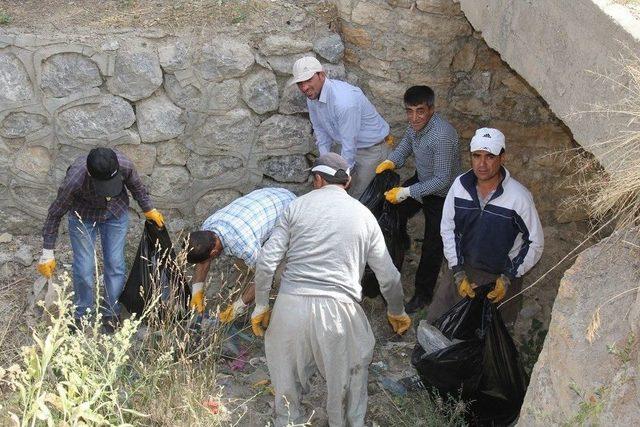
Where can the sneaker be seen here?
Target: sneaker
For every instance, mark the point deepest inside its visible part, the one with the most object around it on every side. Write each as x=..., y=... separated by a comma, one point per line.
x=110, y=324
x=415, y=304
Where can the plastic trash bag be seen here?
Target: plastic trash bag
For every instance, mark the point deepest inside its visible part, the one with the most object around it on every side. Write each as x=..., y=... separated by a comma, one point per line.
x=430, y=338
x=483, y=368
x=42, y=291
x=388, y=218
x=154, y=273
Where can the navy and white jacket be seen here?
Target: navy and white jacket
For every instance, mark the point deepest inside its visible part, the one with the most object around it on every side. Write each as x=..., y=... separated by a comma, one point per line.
x=503, y=238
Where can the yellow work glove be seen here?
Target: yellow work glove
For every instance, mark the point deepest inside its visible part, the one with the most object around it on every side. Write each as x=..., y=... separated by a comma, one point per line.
x=47, y=263
x=197, y=297
x=386, y=165
x=465, y=288
x=500, y=289
x=232, y=311
x=400, y=323
x=260, y=320
x=155, y=216
x=397, y=195
x=390, y=140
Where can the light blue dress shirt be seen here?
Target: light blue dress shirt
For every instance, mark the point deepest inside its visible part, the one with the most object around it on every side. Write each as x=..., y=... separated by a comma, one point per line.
x=344, y=115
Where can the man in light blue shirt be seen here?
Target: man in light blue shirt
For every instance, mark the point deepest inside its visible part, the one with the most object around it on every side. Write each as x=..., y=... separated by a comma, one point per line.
x=341, y=113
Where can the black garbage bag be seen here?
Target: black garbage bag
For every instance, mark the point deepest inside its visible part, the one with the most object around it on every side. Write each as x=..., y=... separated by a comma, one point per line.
x=154, y=273
x=389, y=220
x=482, y=366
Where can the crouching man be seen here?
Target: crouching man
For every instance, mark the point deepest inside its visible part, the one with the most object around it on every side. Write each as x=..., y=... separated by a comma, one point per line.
x=326, y=238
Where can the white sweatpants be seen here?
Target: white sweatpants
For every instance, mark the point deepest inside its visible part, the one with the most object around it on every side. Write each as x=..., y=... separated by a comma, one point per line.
x=308, y=333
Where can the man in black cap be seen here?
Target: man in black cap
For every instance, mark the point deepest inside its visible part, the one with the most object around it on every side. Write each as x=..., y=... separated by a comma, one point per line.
x=94, y=193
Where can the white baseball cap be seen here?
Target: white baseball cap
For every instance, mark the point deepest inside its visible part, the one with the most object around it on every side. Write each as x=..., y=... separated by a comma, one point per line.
x=487, y=139
x=304, y=68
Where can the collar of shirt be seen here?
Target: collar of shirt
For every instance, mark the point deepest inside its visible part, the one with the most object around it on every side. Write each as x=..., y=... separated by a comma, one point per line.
x=324, y=93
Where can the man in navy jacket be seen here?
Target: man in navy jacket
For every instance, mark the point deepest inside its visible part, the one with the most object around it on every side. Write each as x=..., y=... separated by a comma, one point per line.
x=490, y=228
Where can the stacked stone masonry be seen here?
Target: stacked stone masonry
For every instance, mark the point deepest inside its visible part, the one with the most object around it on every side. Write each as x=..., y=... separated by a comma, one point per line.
x=207, y=116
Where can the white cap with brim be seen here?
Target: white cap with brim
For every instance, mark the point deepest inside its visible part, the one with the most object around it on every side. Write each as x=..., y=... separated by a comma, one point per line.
x=487, y=139
x=303, y=69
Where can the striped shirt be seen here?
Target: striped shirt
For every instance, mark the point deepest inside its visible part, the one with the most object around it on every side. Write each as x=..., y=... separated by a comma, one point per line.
x=77, y=195
x=437, y=154
x=246, y=223
x=343, y=114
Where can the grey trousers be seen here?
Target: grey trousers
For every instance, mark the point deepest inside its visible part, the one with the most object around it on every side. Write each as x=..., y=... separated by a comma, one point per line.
x=366, y=161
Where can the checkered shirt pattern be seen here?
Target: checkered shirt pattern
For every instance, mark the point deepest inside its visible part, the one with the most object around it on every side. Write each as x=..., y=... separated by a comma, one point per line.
x=246, y=223
x=437, y=155
x=77, y=195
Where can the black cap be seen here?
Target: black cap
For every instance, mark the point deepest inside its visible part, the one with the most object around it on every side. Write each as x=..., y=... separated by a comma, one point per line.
x=104, y=170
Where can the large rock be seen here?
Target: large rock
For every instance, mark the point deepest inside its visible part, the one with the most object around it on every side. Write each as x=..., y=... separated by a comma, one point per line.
x=284, y=45
x=210, y=167
x=33, y=163
x=293, y=101
x=169, y=182
x=15, y=84
x=137, y=74
x=285, y=132
x=105, y=116
x=174, y=56
x=335, y=71
x=233, y=132
x=579, y=382
x=330, y=48
x=158, y=119
x=223, y=58
x=290, y=168
x=64, y=74
x=187, y=97
x=213, y=201
x=143, y=156
x=172, y=153
x=260, y=92
x=283, y=64
x=223, y=96
x=20, y=124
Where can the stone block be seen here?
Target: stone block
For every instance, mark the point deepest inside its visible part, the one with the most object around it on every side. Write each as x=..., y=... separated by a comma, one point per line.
x=223, y=96
x=335, y=71
x=292, y=101
x=330, y=48
x=171, y=153
x=142, y=155
x=20, y=124
x=212, y=166
x=187, y=97
x=66, y=73
x=368, y=13
x=98, y=118
x=260, y=91
x=465, y=58
x=233, y=132
x=359, y=37
x=158, y=119
x=284, y=45
x=169, y=182
x=446, y=7
x=32, y=163
x=283, y=64
x=285, y=132
x=388, y=91
x=223, y=58
x=213, y=201
x=379, y=68
x=290, y=168
x=15, y=84
x=174, y=56
x=137, y=74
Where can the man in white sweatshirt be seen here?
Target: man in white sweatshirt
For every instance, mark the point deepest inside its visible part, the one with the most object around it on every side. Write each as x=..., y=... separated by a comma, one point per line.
x=326, y=237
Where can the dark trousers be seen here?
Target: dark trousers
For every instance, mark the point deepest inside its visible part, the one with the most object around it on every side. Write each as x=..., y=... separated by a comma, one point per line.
x=431, y=256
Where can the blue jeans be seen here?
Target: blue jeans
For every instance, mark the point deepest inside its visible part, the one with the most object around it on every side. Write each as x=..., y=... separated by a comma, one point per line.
x=113, y=233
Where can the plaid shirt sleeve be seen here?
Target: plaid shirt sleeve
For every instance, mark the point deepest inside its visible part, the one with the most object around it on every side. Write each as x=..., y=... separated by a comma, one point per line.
x=444, y=167
x=134, y=184
x=400, y=154
x=72, y=182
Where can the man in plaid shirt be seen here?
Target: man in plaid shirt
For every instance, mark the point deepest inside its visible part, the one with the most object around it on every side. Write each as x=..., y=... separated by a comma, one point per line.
x=94, y=192
x=434, y=143
x=239, y=230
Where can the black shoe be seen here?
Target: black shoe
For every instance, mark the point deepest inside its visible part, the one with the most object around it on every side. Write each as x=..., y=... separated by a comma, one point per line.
x=110, y=324
x=415, y=304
